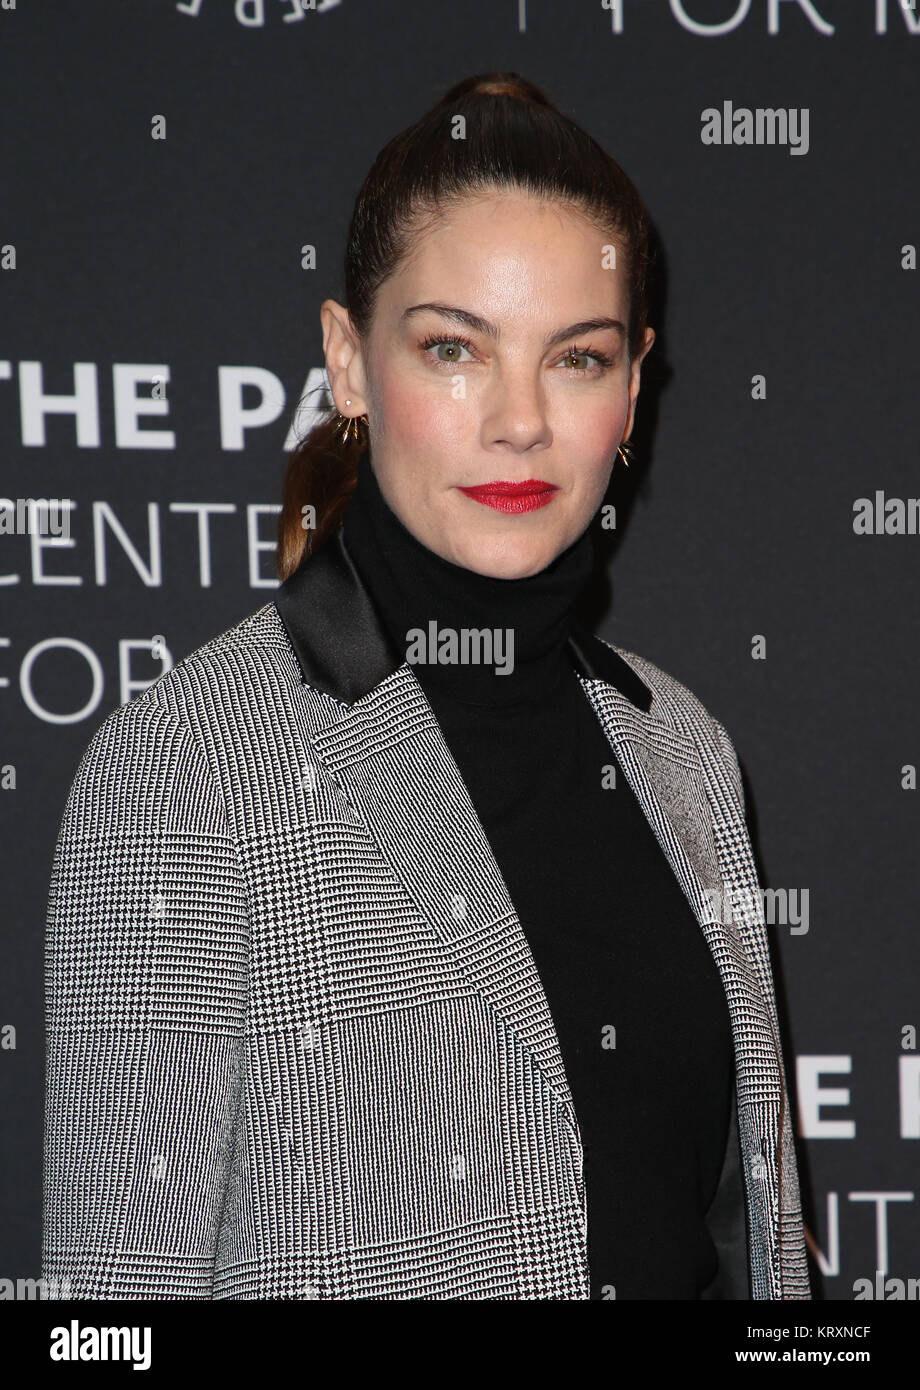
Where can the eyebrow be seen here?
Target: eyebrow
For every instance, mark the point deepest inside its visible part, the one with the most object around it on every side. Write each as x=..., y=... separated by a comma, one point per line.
x=481, y=325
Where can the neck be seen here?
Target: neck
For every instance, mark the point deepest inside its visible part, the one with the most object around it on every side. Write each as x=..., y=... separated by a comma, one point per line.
x=478, y=639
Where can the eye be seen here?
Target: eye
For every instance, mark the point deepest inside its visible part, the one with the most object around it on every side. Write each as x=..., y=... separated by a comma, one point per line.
x=453, y=345
x=575, y=354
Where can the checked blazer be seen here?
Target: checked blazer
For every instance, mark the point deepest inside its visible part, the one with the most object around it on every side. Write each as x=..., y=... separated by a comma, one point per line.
x=297, y=1045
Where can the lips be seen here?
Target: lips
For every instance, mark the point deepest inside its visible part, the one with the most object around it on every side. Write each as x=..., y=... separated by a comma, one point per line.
x=505, y=496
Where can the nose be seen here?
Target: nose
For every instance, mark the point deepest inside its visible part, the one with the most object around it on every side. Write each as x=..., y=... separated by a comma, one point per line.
x=515, y=410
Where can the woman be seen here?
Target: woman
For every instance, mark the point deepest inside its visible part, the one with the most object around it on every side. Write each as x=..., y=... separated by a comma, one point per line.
x=385, y=950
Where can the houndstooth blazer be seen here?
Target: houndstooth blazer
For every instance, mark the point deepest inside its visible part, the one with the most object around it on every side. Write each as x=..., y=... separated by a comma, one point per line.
x=297, y=1043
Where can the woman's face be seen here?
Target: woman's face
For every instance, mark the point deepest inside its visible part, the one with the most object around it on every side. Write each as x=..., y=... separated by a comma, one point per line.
x=510, y=380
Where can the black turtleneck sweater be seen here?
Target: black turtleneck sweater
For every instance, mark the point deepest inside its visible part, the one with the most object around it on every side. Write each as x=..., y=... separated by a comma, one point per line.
x=614, y=939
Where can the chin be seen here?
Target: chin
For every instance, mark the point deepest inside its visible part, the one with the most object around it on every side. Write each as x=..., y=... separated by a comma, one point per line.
x=509, y=560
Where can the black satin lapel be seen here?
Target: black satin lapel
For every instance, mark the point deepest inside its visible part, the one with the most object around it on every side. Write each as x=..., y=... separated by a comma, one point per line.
x=594, y=660
x=726, y=1220
x=340, y=641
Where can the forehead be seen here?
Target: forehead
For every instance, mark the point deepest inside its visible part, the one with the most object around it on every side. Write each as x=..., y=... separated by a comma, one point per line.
x=511, y=256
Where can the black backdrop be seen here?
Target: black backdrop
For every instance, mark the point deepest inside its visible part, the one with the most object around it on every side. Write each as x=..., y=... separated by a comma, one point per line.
x=781, y=390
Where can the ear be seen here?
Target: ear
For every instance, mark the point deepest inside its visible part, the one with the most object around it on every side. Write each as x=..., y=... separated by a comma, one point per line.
x=635, y=371
x=344, y=359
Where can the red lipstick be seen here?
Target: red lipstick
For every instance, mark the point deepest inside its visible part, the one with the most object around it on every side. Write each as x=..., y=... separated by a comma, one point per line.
x=513, y=497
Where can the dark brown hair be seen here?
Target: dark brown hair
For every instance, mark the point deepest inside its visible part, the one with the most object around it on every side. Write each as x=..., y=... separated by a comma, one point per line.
x=514, y=136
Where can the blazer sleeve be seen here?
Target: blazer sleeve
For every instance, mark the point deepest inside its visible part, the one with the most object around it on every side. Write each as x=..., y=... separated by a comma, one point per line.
x=146, y=958
x=792, y=1249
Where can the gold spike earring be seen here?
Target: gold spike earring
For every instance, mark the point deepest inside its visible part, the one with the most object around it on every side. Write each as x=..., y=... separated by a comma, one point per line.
x=357, y=420
x=623, y=449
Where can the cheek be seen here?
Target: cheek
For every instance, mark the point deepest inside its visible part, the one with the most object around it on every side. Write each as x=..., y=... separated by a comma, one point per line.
x=416, y=410
x=591, y=430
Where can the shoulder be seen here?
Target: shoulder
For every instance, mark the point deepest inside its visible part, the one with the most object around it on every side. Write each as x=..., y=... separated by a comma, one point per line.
x=669, y=695
x=227, y=673
x=169, y=730
x=232, y=668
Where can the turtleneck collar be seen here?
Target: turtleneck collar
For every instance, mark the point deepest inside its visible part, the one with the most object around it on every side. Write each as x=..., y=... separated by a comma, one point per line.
x=414, y=588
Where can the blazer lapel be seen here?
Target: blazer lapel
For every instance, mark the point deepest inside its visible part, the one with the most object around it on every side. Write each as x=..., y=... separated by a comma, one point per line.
x=387, y=754
x=662, y=766
x=679, y=796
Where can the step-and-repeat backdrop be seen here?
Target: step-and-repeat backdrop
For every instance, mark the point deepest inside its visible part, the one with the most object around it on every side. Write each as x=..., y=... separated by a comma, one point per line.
x=166, y=168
